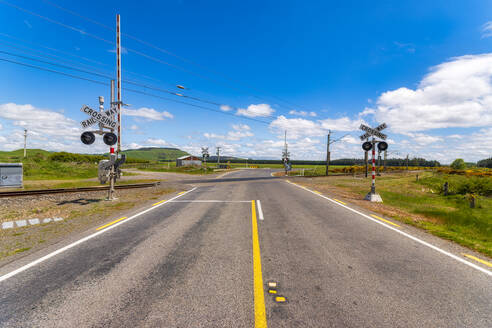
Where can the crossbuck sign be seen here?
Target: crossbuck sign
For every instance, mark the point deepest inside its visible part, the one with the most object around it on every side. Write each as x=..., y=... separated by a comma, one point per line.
x=373, y=132
x=106, y=117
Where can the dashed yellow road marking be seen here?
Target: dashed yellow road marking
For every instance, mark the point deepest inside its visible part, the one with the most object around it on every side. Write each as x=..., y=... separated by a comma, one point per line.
x=478, y=260
x=271, y=291
x=162, y=201
x=317, y=192
x=336, y=200
x=180, y=193
x=111, y=223
x=389, y=222
x=259, y=294
x=280, y=299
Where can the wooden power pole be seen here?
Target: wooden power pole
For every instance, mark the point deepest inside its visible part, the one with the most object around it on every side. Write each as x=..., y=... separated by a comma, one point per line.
x=328, y=153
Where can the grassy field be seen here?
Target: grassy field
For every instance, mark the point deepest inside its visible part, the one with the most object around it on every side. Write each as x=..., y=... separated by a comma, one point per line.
x=423, y=204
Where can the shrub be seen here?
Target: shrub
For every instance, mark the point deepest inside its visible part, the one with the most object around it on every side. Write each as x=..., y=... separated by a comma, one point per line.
x=458, y=164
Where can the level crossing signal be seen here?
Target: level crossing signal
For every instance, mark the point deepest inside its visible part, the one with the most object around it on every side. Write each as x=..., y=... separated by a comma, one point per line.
x=88, y=138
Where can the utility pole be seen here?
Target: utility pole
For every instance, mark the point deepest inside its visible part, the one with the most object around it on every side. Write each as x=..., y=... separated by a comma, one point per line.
x=218, y=156
x=118, y=73
x=25, y=143
x=328, y=153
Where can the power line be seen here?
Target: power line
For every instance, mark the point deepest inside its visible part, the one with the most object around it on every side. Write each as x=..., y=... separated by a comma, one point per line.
x=131, y=90
x=16, y=45
x=160, y=49
x=128, y=49
x=99, y=74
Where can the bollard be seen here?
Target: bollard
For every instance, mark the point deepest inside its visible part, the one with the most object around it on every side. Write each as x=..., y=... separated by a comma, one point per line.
x=472, y=201
x=417, y=177
x=446, y=188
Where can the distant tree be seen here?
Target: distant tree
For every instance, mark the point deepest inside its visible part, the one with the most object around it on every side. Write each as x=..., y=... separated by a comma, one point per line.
x=458, y=164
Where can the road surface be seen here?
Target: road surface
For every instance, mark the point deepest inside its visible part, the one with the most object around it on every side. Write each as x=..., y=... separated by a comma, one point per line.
x=205, y=258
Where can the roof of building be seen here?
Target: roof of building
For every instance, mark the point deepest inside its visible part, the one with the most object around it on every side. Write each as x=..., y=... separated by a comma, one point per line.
x=188, y=156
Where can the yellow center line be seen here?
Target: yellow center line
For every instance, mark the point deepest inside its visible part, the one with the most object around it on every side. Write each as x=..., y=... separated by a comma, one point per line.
x=259, y=295
x=180, y=193
x=389, y=222
x=111, y=223
x=336, y=200
x=478, y=260
x=315, y=191
x=162, y=201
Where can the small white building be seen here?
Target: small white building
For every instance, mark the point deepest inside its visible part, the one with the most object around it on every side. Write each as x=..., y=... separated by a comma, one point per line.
x=188, y=160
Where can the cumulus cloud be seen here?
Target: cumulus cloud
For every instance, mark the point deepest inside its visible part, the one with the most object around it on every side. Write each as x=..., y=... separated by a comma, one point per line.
x=259, y=110
x=225, y=108
x=487, y=30
x=457, y=93
x=238, y=132
x=157, y=142
x=41, y=123
x=300, y=127
x=147, y=113
x=302, y=113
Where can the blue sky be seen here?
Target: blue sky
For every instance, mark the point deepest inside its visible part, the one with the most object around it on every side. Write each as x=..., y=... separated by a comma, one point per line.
x=422, y=67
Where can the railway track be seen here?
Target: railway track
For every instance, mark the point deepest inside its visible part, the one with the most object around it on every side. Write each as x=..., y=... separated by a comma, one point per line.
x=72, y=190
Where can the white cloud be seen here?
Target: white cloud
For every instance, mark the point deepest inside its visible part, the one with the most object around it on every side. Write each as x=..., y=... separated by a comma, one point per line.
x=226, y=108
x=238, y=132
x=299, y=127
x=1, y=126
x=134, y=127
x=41, y=123
x=27, y=23
x=302, y=113
x=147, y=113
x=259, y=110
x=158, y=142
x=457, y=93
x=487, y=30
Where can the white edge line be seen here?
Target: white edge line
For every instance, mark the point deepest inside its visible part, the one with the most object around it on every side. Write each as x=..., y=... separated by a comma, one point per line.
x=260, y=212
x=80, y=241
x=208, y=201
x=457, y=258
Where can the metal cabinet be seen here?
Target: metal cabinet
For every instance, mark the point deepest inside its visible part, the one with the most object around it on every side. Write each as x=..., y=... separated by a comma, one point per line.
x=10, y=174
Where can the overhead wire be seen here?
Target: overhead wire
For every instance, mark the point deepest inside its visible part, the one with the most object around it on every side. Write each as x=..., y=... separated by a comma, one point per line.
x=161, y=49
x=92, y=72
x=130, y=90
x=155, y=59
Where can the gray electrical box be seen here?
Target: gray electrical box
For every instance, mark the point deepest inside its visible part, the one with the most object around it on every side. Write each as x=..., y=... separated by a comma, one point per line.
x=11, y=175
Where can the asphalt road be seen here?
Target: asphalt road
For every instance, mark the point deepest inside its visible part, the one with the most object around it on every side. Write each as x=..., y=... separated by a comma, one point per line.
x=192, y=262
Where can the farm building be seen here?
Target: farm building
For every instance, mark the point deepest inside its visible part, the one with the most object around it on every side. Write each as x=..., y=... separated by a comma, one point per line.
x=188, y=160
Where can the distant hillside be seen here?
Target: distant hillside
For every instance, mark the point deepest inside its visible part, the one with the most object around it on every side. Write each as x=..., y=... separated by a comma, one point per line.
x=15, y=156
x=155, y=154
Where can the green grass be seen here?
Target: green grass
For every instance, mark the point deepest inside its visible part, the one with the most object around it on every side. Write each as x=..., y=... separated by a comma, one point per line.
x=174, y=169
x=155, y=154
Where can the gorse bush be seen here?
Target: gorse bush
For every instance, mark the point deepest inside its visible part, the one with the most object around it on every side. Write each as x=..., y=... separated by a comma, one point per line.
x=459, y=185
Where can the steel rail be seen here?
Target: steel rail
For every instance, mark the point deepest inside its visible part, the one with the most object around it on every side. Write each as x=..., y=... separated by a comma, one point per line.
x=19, y=193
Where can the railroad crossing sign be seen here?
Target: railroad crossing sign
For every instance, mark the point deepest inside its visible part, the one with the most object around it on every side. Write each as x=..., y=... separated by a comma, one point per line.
x=373, y=132
x=105, y=118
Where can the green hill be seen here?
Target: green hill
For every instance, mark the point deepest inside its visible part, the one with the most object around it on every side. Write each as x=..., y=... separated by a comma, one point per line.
x=17, y=156
x=154, y=154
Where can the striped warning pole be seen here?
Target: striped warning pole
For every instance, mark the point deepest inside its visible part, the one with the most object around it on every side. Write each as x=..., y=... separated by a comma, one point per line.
x=118, y=69
x=373, y=186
